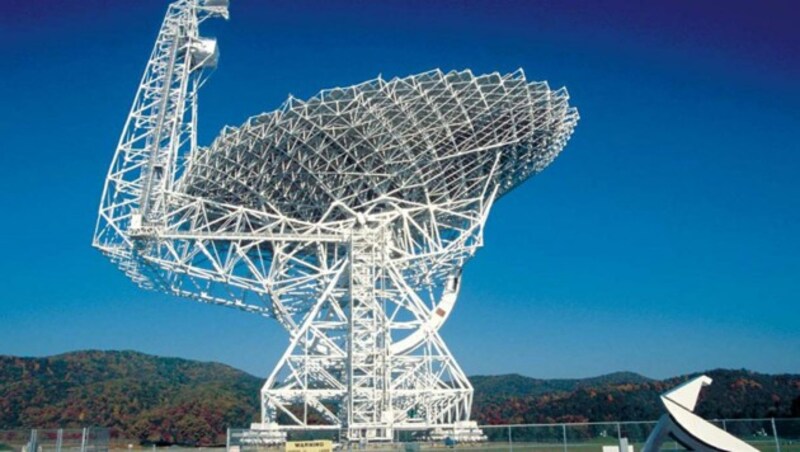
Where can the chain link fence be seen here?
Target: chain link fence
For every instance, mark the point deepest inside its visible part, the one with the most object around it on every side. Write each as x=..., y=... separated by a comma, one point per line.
x=768, y=435
x=763, y=434
x=55, y=440
x=13, y=440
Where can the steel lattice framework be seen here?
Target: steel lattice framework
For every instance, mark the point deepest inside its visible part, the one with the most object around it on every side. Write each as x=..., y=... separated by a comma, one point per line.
x=347, y=217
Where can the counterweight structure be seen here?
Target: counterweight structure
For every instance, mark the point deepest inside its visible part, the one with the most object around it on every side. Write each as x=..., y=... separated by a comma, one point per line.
x=346, y=217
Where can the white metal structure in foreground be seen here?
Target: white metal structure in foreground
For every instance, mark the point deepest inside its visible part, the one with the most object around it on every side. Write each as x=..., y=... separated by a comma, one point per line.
x=690, y=430
x=346, y=217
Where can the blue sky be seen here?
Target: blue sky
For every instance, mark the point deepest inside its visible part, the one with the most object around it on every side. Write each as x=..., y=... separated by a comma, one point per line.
x=663, y=240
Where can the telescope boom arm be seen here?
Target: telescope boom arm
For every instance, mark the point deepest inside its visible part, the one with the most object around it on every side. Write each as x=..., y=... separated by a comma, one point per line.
x=160, y=131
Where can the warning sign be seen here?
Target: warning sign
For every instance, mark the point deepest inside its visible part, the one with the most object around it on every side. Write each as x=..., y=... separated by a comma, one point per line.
x=309, y=446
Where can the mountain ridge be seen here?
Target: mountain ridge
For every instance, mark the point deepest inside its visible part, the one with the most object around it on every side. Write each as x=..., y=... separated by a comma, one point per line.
x=623, y=373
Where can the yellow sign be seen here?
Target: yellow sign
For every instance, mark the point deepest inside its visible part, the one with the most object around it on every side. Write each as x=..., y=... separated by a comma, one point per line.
x=309, y=446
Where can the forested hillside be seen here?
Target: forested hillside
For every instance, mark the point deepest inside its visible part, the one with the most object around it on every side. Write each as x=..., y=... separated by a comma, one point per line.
x=153, y=399
x=628, y=397
x=176, y=401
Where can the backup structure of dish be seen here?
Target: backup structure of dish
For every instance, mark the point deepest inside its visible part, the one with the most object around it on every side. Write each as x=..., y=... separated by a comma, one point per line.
x=346, y=217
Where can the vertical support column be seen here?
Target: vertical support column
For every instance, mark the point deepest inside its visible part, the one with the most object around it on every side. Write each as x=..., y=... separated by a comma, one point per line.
x=368, y=400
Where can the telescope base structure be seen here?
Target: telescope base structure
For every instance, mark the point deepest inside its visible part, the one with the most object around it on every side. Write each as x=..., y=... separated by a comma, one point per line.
x=365, y=361
x=274, y=434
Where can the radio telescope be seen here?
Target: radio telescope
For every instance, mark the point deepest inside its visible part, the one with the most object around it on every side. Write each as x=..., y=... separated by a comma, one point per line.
x=346, y=217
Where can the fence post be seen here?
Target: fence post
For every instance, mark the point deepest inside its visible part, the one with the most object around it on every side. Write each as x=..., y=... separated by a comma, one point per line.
x=83, y=439
x=32, y=443
x=619, y=432
x=564, y=434
x=510, y=441
x=775, y=435
x=59, y=439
